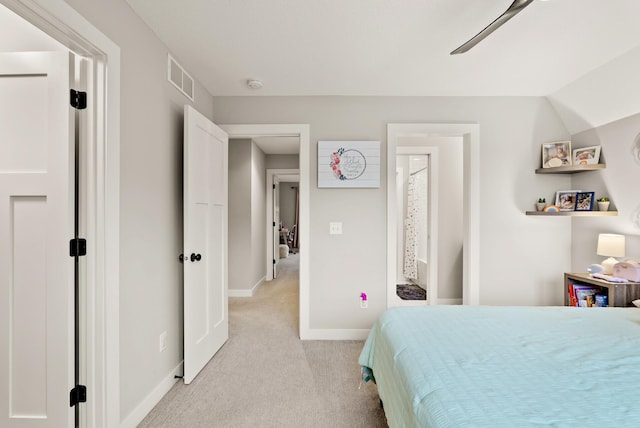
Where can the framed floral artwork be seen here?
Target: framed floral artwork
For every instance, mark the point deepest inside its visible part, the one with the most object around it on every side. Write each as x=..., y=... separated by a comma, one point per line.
x=354, y=164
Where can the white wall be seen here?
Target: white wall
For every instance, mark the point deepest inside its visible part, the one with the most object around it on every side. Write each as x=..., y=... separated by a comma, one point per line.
x=601, y=96
x=342, y=266
x=620, y=141
x=151, y=200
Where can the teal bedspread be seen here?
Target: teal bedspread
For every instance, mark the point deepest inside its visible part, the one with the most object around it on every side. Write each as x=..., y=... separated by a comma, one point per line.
x=511, y=367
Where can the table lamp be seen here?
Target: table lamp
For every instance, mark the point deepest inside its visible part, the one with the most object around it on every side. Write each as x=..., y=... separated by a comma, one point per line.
x=610, y=245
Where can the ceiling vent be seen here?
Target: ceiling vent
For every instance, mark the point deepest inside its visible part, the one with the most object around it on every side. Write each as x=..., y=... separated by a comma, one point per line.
x=180, y=78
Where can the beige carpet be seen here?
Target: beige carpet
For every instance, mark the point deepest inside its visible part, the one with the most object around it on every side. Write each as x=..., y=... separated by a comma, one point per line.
x=264, y=376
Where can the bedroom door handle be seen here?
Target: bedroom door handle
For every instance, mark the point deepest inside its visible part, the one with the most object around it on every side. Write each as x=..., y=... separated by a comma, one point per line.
x=195, y=257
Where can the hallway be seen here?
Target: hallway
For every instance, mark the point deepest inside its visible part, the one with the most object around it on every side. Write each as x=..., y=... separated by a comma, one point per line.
x=265, y=376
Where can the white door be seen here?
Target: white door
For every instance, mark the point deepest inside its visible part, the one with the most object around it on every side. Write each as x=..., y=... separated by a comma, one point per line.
x=276, y=224
x=206, y=325
x=36, y=224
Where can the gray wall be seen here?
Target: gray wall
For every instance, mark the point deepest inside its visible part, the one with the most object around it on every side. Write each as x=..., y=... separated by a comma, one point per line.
x=258, y=215
x=239, y=213
x=151, y=127
x=511, y=131
x=247, y=215
x=288, y=204
x=620, y=143
x=282, y=161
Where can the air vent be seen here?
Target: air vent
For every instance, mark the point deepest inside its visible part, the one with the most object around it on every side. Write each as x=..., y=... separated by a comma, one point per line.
x=180, y=78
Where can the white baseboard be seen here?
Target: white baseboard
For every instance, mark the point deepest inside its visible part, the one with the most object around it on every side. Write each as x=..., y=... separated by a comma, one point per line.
x=449, y=301
x=142, y=410
x=334, y=334
x=247, y=292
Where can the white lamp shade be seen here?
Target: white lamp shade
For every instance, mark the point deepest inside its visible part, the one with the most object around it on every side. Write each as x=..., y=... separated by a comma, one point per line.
x=611, y=245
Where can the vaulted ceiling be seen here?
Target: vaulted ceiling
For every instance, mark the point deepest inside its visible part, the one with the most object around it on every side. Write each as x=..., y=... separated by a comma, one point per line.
x=390, y=47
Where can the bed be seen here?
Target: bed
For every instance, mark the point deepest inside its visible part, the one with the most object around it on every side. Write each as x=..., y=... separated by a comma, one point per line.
x=512, y=367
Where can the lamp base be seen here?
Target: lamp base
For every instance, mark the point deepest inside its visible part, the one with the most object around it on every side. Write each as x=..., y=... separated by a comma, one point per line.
x=607, y=265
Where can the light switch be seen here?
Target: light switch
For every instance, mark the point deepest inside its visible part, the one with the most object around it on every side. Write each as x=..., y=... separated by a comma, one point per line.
x=335, y=228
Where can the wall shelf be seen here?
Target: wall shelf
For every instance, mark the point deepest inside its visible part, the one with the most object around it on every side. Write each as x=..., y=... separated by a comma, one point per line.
x=574, y=213
x=570, y=169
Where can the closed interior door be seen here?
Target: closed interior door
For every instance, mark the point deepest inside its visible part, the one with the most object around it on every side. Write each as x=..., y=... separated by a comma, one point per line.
x=36, y=224
x=206, y=324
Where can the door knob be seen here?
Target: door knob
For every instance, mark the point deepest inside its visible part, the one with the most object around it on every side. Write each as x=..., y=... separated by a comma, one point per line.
x=181, y=258
x=195, y=257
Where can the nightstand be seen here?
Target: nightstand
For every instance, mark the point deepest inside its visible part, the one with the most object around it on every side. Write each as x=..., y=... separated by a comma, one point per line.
x=618, y=294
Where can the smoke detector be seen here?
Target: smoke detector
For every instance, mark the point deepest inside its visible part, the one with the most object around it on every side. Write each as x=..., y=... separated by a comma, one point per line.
x=254, y=83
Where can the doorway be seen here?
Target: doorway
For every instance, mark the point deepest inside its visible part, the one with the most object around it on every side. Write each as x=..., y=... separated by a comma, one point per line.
x=417, y=137
x=283, y=216
x=417, y=227
x=303, y=133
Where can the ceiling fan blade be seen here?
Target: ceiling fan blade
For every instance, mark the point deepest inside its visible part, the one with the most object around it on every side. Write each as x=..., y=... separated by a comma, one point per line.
x=512, y=11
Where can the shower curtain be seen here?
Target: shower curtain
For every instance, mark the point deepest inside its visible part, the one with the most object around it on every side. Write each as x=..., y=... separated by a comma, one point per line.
x=415, y=212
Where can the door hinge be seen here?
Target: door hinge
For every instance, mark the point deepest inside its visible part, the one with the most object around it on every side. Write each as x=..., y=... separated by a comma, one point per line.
x=78, y=395
x=78, y=247
x=274, y=224
x=274, y=261
x=78, y=99
x=274, y=187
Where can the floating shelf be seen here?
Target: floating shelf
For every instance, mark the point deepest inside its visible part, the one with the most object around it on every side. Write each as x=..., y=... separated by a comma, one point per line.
x=574, y=213
x=570, y=169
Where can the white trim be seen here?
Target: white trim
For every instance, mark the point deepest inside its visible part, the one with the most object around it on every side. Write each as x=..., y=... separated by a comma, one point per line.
x=247, y=292
x=303, y=132
x=336, y=334
x=63, y=23
x=471, y=197
x=152, y=399
x=269, y=217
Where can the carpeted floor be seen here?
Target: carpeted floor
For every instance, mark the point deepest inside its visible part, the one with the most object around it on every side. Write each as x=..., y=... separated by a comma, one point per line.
x=264, y=376
x=411, y=292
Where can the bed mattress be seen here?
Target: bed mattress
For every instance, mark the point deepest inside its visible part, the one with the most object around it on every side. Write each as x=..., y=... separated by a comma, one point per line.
x=476, y=367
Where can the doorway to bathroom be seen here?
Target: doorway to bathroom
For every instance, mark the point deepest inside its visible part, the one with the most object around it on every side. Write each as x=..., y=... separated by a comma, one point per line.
x=450, y=209
x=416, y=225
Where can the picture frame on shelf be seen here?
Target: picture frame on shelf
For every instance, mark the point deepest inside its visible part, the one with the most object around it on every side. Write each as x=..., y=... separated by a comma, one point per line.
x=566, y=199
x=587, y=155
x=585, y=201
x=555, y=154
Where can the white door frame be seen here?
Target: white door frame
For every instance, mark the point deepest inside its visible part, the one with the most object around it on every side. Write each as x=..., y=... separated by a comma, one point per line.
x=470, y=134
x=302, y=132
x=63, y=23
x=271, y=173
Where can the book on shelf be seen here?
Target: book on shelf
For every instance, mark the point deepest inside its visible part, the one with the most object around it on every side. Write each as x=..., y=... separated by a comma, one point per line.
x=586, y=295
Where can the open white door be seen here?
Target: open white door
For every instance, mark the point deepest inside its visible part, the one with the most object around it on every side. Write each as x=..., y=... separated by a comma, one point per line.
x=276, y=224
x=36, y=225
x=206, y=324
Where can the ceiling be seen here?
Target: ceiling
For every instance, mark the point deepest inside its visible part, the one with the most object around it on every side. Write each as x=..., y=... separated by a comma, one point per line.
x=390, y=47
x=285, y=145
